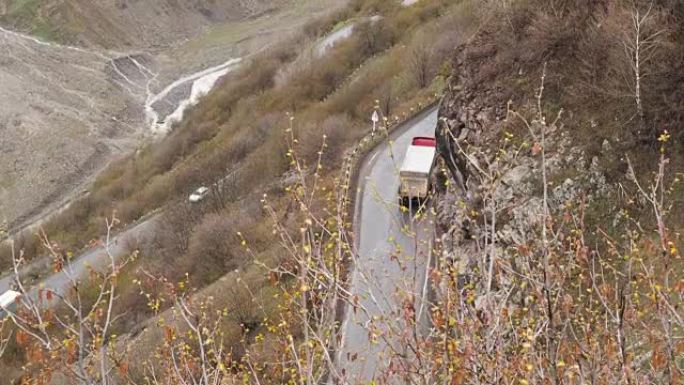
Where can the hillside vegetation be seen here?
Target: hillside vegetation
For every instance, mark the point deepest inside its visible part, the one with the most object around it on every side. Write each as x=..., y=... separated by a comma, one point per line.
x=562, y=264
x=557, y=210
x=612, y=109
x=226, y=137
x=239, y=141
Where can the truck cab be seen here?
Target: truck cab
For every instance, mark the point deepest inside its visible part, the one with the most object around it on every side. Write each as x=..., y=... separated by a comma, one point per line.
x=416, y=171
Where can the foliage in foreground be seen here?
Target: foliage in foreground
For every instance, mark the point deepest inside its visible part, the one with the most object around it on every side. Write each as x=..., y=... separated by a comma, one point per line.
x=571, y=304
x=554, y=309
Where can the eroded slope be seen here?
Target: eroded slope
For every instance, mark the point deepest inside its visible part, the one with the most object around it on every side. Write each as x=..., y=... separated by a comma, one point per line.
x=63, y=111
x=125, y=23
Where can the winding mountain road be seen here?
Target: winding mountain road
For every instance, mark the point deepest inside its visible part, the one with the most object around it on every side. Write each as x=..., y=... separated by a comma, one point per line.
x=95, y=258
x=390, y=272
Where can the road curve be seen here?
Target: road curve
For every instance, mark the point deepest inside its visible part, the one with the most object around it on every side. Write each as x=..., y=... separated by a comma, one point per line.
x=95, y=258
x=393, y=252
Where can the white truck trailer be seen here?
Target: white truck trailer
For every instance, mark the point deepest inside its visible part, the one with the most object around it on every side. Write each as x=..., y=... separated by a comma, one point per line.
x=416, y=170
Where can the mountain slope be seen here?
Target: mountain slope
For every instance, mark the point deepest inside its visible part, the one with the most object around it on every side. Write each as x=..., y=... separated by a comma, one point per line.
x=125, y=23
x=67, y=110
x=63, y=112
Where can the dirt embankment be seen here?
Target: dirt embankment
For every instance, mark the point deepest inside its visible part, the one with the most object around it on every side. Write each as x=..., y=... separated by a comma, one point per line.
x=63, y=113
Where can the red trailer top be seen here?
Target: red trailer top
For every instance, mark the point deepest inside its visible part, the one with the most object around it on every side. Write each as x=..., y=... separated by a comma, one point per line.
x=425, y=141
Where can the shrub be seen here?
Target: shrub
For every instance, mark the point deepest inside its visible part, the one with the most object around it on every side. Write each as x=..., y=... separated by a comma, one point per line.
x=214, y=249
x=338, y=129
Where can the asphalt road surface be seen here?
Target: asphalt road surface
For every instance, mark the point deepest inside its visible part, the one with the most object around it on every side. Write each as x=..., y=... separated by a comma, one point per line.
x=390, y=270
x=95, y=258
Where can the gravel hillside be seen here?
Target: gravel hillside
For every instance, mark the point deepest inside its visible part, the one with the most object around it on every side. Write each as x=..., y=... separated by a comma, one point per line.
x=63, y=112
x=77, y=77
x=126, y=23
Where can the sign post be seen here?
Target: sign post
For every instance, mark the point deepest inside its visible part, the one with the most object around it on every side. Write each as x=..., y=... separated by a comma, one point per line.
x=375, y=118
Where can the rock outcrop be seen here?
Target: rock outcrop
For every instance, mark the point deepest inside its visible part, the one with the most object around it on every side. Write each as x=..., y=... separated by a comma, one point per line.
x=477, y=148
x=469, y=107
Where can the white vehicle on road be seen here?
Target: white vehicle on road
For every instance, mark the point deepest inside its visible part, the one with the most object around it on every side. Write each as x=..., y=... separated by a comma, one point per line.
x=199, y=194
x=416, y=170
x=8, y=302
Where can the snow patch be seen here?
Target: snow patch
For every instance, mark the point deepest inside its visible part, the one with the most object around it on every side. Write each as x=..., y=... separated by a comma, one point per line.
x=408, y=3
x=202, y=82
x=333, y=38
x=339, y=35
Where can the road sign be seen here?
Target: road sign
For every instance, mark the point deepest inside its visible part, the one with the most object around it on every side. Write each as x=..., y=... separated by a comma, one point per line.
x=375, y=118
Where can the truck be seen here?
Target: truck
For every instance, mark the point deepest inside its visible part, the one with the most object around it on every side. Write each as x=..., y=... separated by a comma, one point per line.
x=416, y=171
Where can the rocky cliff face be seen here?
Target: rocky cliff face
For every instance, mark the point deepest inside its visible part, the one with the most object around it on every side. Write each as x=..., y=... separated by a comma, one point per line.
x=571, y=212
x=469, y=107
x=498, y=167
